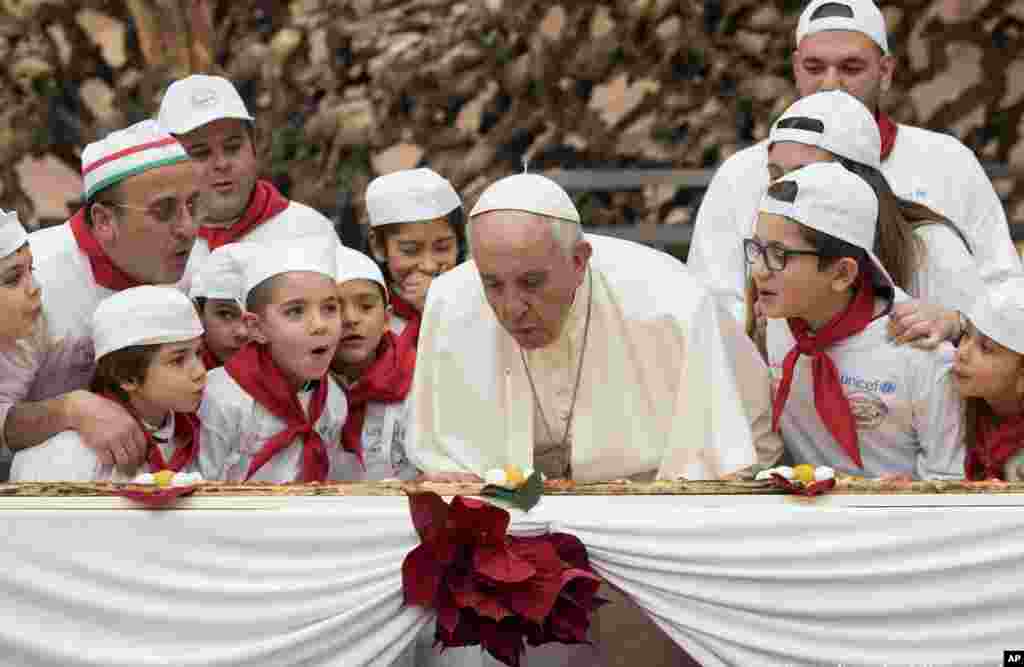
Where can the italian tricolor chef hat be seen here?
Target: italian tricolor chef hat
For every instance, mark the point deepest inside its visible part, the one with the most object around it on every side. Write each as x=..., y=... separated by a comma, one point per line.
x=410, y=195
x=123, y=153
x=999, y=314
x=828, y=197
x=147, y=315
x=12, y=234
x=834, y=121
x=354, y=265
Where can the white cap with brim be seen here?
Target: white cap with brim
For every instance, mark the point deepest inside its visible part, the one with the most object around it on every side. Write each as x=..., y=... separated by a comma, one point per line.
x=123, y=153
x=999, y=314
x=861, y=16
x=831, y=199
x=410, y=195
x=354, y=265
x=221, y=274
x=313, y=254
x=147, y=315
x=12, y=235
x=834, y=121
x=197, y=100
x=529, y=193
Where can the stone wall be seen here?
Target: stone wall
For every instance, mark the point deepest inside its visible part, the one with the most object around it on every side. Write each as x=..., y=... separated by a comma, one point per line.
x=347, y=89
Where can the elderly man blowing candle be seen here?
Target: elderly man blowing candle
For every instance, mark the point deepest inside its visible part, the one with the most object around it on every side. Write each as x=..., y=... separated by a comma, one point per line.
x=581, y=356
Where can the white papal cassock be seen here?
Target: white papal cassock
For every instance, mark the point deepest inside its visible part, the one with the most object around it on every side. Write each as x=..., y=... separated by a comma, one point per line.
x=669, y=382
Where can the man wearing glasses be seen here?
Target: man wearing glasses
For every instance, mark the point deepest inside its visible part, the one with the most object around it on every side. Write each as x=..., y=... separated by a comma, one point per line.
x=137, y=227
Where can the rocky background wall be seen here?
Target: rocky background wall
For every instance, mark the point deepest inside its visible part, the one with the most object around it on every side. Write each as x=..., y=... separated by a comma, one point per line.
x=347, y=89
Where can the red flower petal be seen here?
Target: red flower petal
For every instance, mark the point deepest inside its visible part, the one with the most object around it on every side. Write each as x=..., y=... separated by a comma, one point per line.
x=421, y=576
x=484, y=604
x=430, y=516
x=501, y=565
x=476, y=522
x=570, y=549
x=447, y=613
x=534, y=598
x=503, y=640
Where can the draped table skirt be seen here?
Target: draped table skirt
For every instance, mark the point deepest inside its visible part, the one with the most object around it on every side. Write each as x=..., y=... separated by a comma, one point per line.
x=734, y=580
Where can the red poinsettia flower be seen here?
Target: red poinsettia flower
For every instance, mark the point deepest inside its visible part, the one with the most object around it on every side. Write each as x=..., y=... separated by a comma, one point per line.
x=493, y=590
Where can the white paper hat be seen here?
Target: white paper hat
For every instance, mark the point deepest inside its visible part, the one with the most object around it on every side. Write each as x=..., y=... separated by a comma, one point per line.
x=197, y=100
x=830, y=198
x=123, y=153
x=834, y=121
x=221, y=275
x=999, y=313
x=354, y=265
x=410, y=195
x=147, y=315
x=315, y=254
x=861, y=16
x=531, y=193
x=12, y=235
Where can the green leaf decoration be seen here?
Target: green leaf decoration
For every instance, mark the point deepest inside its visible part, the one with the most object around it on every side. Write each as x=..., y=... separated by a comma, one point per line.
x=523, y=498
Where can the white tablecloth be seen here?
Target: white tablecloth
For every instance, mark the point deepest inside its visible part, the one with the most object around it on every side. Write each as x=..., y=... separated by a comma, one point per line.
x=852, y=580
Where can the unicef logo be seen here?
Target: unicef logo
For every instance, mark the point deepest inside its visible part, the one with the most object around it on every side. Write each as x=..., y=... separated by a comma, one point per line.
x=888, y=387
x=204, y=98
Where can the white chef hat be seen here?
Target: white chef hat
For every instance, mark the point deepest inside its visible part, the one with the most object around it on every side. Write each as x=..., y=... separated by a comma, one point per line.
x=834, y=121
x=12, y=235
x=199, y=99
x=123, y=153
x=410, y=195
x=354, y=265
x=999, y=313
x=832, y=199
x=530, y=193
x=221, y=274
x=861, y=16
x=314, y=254
x=147, y=315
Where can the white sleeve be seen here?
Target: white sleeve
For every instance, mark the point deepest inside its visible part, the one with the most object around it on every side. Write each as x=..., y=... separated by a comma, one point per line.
x=994, y=252
x=220, y=421
x=61, y=458
x=948, y=275
x=938, y=419
x=716, y=248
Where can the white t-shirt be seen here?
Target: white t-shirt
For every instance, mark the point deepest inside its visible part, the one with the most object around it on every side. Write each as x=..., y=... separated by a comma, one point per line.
x=235, y=427
x=384, y=433
x=927, y=167
x=65, y=458
x=909, y=416
x=295, y=221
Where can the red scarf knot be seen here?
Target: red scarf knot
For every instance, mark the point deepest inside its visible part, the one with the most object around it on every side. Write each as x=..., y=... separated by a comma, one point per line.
x=186, y=437
x=387, y=380
x=887, y=129
x=265, y=203
x=829, y=400
x=254, y=370
x=209, y=361
x=997, y=443
x=410, y=335
x=104, y=271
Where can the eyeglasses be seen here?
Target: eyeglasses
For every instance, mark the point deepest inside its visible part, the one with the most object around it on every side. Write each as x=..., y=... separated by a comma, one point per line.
x=167, y=211
x=773, y=255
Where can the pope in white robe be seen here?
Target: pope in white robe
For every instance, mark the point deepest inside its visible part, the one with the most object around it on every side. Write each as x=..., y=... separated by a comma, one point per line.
x=580, y=355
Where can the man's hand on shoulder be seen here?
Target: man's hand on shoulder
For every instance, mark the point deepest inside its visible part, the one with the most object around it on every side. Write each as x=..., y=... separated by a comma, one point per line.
x=107, y=428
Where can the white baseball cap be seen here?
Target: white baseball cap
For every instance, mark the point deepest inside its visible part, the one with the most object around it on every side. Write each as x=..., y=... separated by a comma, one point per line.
x=221, y=274
x=123, y=153
x=315, y=254
x=410, y=195
x=999, y=313
x=12, y=235
x=199, y=99
x=147, y=315
x=834, y=121
x=530, y=193
x=861, y=16
x=832, y=199
x=354, y=265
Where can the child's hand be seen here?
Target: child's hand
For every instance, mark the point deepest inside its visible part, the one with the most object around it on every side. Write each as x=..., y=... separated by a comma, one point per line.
x=921, y=324
x=1014, y=469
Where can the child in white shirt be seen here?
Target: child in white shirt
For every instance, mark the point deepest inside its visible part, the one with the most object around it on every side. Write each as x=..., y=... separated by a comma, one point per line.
x=375, y=367
x=217, y=290
x=273, y=413
x=844, y=396
x=147, y=349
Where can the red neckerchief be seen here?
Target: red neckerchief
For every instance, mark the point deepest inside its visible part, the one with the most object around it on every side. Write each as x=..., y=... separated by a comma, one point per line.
x=829, y=399
x=996, y=443
x=209, y=361
x=387, y=380
x=887, y=128
x=104, y=271
x=410, y=335
x=265, y=203
x=255, y=372
x=186, y=430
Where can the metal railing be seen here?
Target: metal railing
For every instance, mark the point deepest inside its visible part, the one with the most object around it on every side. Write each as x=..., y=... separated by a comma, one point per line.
x=661, y=235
